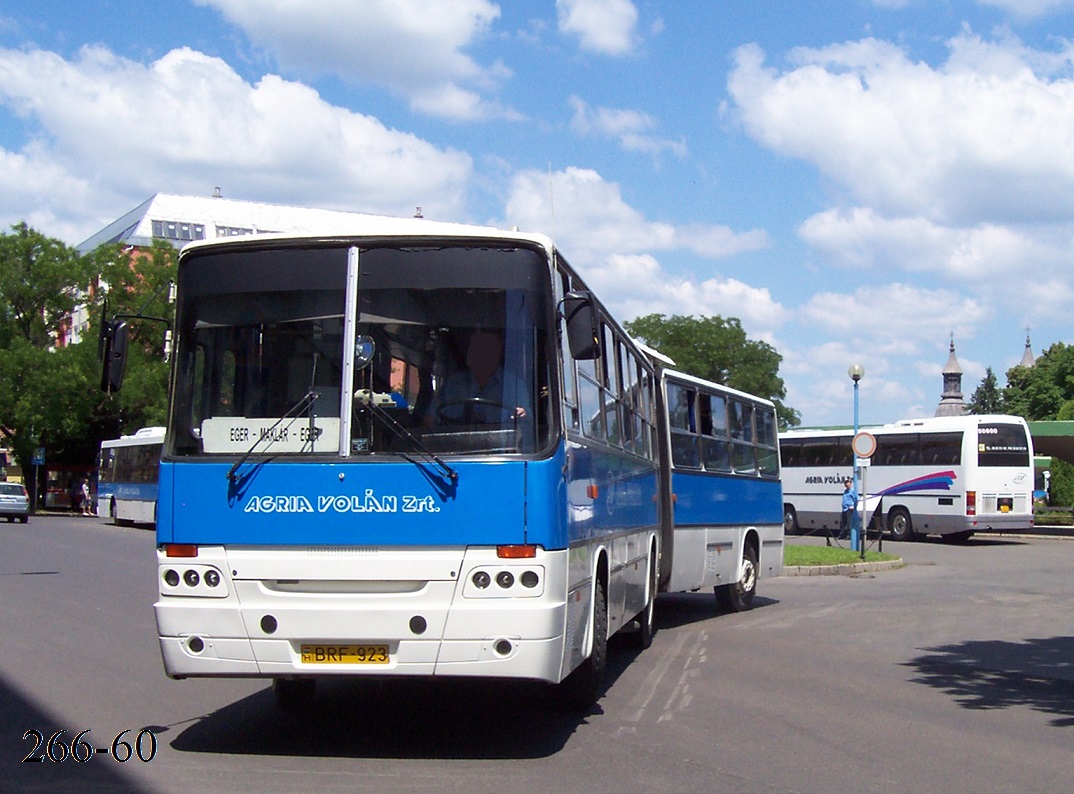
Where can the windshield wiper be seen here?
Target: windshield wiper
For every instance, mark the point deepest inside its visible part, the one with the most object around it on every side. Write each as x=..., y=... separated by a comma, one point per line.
x=365, y=398
x=304, y=403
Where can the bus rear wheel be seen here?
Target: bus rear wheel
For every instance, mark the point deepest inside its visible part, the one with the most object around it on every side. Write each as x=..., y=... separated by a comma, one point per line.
x=790, y=520
x=643, y=638
x=738, y=596
x=899, y=524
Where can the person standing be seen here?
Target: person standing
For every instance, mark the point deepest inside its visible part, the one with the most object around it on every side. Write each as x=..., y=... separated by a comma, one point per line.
x=850, y=504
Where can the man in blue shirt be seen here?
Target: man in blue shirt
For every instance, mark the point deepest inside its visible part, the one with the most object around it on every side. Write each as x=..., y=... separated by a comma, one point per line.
x=850, y=504
x=483, y=392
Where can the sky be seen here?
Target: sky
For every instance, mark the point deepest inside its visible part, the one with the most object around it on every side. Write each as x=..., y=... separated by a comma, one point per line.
x=857, y=182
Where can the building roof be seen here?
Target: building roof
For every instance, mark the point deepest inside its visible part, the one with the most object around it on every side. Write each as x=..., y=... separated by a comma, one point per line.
x=182, y=219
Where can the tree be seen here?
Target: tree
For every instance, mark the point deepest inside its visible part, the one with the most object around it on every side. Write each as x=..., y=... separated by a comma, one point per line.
x=717, y=349
x=987, y=397
x=1039, y=392
x=50, y=396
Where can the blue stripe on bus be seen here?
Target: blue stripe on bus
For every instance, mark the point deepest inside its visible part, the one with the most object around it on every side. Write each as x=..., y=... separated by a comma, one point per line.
x=135, y=492
x=713, y=500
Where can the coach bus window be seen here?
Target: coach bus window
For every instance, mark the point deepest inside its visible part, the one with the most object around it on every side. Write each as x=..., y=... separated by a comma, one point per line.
x=897, y=450
x=941, y=449
x=1002, y=445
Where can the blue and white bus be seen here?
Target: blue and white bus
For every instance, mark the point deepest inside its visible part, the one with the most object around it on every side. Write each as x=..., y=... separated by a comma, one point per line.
x=333, y=502
x=127, y=471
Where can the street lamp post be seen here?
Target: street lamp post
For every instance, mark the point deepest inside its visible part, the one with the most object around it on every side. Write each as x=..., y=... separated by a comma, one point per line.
x=856, y=372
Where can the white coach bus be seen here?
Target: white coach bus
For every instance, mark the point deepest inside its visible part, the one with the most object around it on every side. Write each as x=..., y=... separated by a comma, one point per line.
x=947, y=476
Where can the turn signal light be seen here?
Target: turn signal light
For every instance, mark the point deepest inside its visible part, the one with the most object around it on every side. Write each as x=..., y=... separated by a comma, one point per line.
x=516, y=552
x=971, y=503
x=180, y=550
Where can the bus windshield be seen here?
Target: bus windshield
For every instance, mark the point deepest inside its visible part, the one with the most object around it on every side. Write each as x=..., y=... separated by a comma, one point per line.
x=435, y=348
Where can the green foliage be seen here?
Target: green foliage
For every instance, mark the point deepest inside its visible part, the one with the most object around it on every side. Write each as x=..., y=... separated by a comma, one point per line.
x=40, y=280
x=987, y=398
x=1039, y=392
x=717, y=349
x=1061, y=485
x=50, y=396
x=829, y=555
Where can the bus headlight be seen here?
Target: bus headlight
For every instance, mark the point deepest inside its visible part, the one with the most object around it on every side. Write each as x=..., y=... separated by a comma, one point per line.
x=520, y=581
x=205, y=581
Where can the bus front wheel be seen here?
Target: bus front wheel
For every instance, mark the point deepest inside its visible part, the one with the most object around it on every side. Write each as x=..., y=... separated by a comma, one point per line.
x=738, y=596
x=581, y=689
x=899, y=524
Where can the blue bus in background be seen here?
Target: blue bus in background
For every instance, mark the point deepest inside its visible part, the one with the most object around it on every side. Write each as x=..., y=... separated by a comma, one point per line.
x=427, y=449
x=127, y=472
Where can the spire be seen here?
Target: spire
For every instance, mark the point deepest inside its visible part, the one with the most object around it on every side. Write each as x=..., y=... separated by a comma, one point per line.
x=951, y=402
x=1027, y=357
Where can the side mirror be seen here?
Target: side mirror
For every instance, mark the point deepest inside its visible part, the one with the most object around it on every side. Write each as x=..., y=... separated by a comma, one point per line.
x=114, y=338
x=581, y=318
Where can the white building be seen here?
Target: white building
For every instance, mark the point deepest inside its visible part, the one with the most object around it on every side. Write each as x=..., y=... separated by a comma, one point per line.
x=180, y=219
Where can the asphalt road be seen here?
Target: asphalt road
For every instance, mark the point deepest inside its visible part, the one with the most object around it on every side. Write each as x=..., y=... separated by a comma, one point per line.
x=953, y=674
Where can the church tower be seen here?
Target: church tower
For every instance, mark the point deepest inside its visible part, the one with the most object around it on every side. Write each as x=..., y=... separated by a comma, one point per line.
x=951, y=402
x=1027, y=357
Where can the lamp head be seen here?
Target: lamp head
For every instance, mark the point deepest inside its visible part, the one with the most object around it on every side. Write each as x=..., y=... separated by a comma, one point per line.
x=856, y=372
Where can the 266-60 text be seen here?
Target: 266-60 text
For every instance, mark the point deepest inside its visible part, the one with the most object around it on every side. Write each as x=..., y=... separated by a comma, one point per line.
x=55, y=749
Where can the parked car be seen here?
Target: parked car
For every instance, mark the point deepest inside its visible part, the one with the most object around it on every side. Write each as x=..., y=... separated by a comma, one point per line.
x=14, y=502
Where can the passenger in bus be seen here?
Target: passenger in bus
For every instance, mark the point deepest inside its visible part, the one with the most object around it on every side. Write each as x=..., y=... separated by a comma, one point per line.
x=850, y=504
x=483, y=392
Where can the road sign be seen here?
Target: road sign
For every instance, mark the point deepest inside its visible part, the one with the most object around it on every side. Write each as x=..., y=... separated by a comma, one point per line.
x=864, y=444
x=39, y=457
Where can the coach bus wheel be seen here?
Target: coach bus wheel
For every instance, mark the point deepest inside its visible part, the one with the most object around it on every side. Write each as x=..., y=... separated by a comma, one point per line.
x=294, y=694
x=790, y=520
x=581, y=689
x=899, y=524
x=647, y=617
x=738, y=597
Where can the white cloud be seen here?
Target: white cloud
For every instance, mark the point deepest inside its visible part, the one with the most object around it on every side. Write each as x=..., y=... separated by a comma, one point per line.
x=589, y=215
x=602, y=26
x=120, y=131
x=987, y=137
x=611, y=244
x=629, y=127
x=1029, y=9
x=861, y=238
x=888, y=316
x=413, y=47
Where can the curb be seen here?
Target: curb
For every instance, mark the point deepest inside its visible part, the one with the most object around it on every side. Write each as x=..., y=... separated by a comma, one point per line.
x=847, y=569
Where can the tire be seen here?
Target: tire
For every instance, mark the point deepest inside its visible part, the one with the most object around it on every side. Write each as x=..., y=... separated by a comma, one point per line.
x=294, y=694
x=581, y=689
x=899, y=524
x=643, y=637
x=790, y=520
x=738, y=597
x=23, y=519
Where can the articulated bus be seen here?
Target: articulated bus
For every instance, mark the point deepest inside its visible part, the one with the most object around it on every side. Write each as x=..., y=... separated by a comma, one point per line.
x=127, y=470
x=349, y=487
x=946, y=476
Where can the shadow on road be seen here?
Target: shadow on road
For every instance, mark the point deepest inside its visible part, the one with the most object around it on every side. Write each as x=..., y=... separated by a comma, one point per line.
x=20, y=716
x=994, y=674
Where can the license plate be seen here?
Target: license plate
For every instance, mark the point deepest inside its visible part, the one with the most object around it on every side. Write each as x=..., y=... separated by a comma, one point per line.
x=345, y=654
x=1006, y=504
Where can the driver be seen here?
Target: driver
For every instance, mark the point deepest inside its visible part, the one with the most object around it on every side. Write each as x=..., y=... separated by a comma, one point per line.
x=482, y=392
